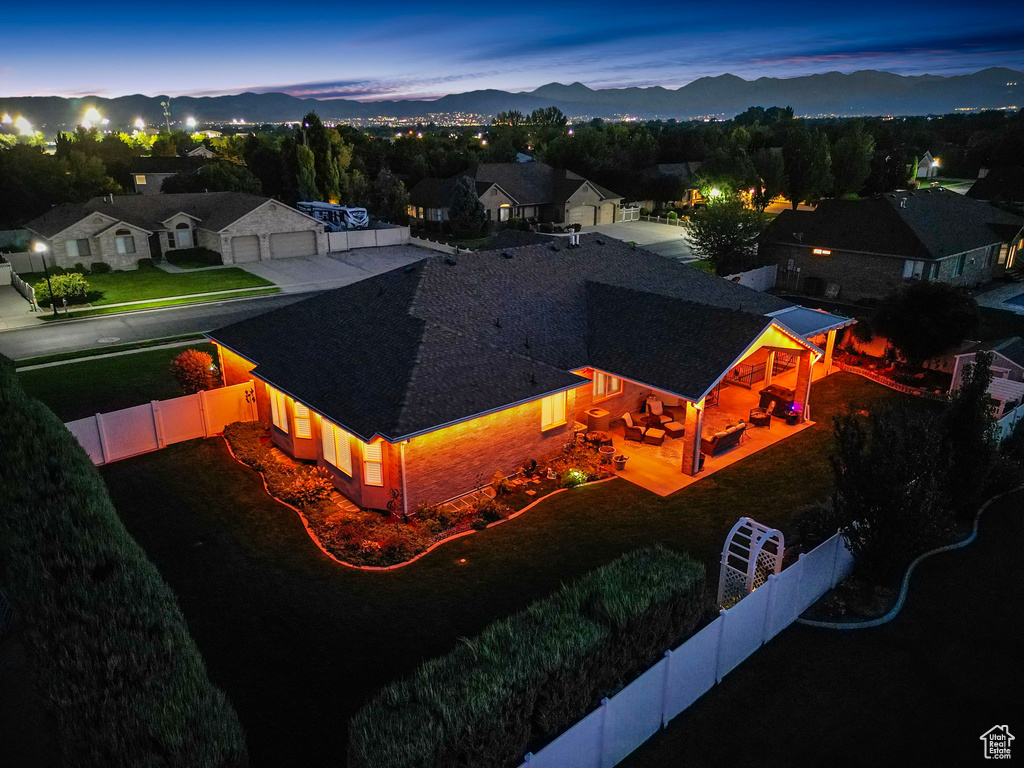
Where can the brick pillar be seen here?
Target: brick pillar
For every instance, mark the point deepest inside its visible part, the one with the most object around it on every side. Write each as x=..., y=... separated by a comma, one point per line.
x=830, y=347
x=803, y=384
x=769, y=367
x=691, y=439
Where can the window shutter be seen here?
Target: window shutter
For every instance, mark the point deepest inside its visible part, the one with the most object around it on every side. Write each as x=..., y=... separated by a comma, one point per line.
x=302, y=425
x=559, y=407
x=327, y=442
x=373, y=463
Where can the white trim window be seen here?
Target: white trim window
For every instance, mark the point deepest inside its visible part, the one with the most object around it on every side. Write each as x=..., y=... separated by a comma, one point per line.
x=913, y=270
x=140, y=179
x=183, y=236
x=337, y=446
x=606, y=386
x=552, y=411
x=301, y=420
x=959, y=265
x=278, y=409
x=373, y=463
x=77, y=249
x=125, y=241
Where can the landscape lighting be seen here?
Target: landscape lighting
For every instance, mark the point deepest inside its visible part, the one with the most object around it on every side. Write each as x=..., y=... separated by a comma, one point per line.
x=24, y=126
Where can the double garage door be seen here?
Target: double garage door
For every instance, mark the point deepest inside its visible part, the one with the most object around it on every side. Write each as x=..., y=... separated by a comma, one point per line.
x=582, y=214
x=283, y=245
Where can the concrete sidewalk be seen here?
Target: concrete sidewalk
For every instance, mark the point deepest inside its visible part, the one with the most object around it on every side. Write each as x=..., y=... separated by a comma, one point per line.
x=15, y=311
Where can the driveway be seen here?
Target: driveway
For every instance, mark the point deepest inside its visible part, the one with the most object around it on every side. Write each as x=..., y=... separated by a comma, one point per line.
x=15, y=312
x=333, y=270
x=665, y=239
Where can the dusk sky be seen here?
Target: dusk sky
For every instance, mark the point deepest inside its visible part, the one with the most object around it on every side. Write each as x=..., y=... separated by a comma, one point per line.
x=373, y=50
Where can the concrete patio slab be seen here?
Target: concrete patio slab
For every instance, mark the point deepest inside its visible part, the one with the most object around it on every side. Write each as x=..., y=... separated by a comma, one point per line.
x=999, y=298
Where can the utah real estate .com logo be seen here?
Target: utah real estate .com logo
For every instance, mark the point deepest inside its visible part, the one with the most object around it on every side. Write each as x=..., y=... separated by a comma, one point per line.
x=997, y=742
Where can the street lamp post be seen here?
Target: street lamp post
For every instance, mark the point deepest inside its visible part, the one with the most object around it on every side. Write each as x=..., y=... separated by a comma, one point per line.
x=41, y=250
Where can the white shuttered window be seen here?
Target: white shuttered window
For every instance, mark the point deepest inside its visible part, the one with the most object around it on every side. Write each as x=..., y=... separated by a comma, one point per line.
x=606, y=386
x=373, y=463
x=278, y=411
x=301, y=418
x=552, y=411
x=336, y=446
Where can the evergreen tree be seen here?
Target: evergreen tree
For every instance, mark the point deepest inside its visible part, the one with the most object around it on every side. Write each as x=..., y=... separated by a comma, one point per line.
x=466, y=213
x=851, y=161
x=389, y=199
x=969, y=422
x=305, y=174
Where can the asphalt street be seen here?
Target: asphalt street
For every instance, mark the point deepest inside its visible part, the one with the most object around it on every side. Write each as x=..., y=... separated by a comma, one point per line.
x=108, y=330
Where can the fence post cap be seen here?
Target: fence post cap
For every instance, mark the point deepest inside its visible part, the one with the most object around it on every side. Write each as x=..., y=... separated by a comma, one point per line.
x=801, y=556
x=668, y=653
x=723, y=611
x=528, y=757
x=604, y=701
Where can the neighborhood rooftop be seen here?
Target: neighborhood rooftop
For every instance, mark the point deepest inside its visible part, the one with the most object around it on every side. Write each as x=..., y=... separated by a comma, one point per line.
x=450, y=338
x=215, y=210
x=929, y=224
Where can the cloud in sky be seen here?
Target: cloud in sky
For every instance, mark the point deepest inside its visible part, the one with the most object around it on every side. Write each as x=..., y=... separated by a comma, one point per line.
x=406, y=50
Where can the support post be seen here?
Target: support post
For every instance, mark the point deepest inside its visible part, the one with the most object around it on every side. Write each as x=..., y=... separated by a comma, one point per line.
x=803, y=384
x=769, y=367
x=202, y=413
x=665, y=683
x=158, y=423
x=694, y=420
x=830, y=346
x=101, y=432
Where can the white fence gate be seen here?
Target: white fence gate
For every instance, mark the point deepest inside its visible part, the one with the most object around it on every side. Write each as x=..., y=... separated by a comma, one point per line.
x=109, y=437
x=1006, y=425
x=367, y=238
x=625, y=721
x=627, y=214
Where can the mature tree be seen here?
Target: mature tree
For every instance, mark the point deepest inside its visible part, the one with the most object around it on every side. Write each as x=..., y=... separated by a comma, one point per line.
x=218, y=176
x=926, y=319
x=194, y=371
x=389, y=199
x=770, y=173
x=548, y=116
x=969, y=421
x=889, y=495
x=808, y=165
x=512, y=117
x=725, y=233
x=851, y=161
x=305, y=174
x=262, y=155
x=466, y=213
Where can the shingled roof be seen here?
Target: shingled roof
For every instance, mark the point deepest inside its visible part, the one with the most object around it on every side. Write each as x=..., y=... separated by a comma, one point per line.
x=1005, y=183
x=419, y=347
x=929, y=224
x=527, y=183
x=215, y=210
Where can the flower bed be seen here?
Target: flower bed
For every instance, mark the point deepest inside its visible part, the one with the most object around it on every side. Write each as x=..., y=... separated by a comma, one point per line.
x=368, y=538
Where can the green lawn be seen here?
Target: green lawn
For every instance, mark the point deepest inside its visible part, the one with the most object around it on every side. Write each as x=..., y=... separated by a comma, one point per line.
x=153, y=283
x=60, y=316
x=60, y=356
x=300, y=642
x=76, y=390
x=918, y=691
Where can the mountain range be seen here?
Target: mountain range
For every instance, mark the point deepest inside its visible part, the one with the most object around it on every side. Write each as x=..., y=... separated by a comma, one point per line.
x=865, y=92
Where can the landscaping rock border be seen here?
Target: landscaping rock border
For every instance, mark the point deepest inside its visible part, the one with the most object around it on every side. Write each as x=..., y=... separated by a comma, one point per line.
x=316, y=540
x=905, y=584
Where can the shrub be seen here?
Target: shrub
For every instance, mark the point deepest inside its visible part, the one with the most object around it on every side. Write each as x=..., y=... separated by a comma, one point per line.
x=812, y=524
x=120, y=676
x=71, y=286
x=194, y=371
x=436, y=518
x=672, y=216
x=195, y=255
x=99, y=267
x=527, y=676
x=644, y=211
x=969, y=423
x=308, y=488
x=1005, y=474
x=80, y=267
x=501, y=484
x=145, y=262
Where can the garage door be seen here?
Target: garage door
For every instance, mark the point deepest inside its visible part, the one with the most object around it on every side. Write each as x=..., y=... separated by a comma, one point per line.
x=284, y=245
x=607, y=214
x=582, y=214
x=245, y=248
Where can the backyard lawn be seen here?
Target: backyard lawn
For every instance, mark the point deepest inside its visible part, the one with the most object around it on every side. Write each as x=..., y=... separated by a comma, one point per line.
x=76, y=390
x=153, y=283
x=918, y=691
x=300, y=642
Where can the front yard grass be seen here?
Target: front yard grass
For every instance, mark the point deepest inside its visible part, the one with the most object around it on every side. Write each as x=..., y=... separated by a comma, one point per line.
x=159, y=304
x=300, y=642
x=76, y=390
x=153, y=283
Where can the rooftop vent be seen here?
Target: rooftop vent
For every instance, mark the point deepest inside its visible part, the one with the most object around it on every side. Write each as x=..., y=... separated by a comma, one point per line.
x=554, y=247
x=507, y=254
x=903, y=202
x=574, y=239
x=449, y=260
x=410, y=268
x=600, y=241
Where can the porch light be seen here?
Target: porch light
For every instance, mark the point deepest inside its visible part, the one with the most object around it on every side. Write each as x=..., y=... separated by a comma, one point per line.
x=822, y=252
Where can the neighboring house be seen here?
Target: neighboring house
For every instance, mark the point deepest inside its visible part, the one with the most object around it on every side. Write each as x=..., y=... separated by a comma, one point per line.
x=1007, y=359
x=1004, y=184
x=120, y=230
x=671, y=180
x=532, y=191
x=148, y=173
x=865, y=249
x=201, y=151
x=418, y=384
x=927, y=166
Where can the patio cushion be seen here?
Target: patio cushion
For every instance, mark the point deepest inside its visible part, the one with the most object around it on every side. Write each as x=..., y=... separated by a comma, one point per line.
x=628, y=418
x=655, y=433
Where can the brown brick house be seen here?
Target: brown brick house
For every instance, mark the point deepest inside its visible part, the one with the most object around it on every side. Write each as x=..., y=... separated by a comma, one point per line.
x=533, y=191
x=420, y=383
x=868, y=248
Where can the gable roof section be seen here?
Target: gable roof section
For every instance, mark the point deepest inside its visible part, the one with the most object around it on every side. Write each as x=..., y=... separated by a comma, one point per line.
x=672, y=344
x=59, y=218
x=1005, y=183
x=1011, y=348
x=930, y=225
x=417, y=348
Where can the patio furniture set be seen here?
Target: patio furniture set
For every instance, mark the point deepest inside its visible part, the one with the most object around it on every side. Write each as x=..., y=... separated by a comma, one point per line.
x=653, y=425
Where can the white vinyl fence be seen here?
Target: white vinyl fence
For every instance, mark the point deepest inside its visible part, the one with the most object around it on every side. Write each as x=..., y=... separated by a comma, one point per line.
x=622, y=213
x=109, y=437
x=1006, y=425
x=622, y=723
x=760, y=279
x=390, y=234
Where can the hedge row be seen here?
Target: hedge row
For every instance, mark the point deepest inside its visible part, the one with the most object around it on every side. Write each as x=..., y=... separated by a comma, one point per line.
x=116, y=668
x=527, y=677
